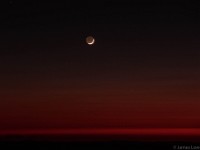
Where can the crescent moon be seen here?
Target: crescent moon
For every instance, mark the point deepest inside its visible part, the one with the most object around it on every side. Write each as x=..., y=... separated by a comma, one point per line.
x=92, y=42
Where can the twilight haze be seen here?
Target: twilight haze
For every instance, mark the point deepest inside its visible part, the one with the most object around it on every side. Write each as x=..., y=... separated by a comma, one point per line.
x=143, y=70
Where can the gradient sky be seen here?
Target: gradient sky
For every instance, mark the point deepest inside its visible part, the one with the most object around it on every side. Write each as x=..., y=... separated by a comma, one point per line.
x=142, y=72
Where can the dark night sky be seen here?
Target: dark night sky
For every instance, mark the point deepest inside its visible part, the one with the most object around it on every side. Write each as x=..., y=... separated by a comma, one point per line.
x=143, y=70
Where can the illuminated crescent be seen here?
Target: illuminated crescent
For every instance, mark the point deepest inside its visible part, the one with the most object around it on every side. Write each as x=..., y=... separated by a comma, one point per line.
x=90, y=40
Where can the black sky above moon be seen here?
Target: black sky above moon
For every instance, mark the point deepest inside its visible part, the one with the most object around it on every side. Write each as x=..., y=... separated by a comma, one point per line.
x=136, y=33
x=156, y=34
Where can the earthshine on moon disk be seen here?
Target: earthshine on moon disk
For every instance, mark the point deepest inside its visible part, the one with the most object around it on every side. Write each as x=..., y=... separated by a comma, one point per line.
x=90, y=40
